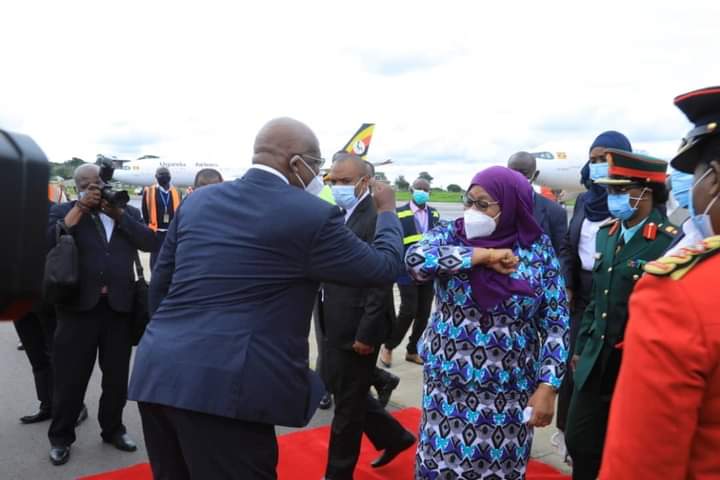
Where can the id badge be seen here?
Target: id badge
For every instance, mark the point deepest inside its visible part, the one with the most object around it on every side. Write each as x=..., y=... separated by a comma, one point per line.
x=166, y=218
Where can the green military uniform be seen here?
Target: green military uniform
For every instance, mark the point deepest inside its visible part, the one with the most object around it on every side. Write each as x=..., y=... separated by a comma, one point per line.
x=618, y=266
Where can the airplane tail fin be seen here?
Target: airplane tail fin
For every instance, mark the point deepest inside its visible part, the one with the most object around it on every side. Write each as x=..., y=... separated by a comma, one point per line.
x=359, y=144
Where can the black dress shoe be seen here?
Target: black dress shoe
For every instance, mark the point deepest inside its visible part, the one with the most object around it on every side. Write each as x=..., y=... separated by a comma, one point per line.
x=384, y=391
x=326, y=402
x=41, y=415
x=122, y=442
x=59, y=455
x=82, y=416
x=391, y=452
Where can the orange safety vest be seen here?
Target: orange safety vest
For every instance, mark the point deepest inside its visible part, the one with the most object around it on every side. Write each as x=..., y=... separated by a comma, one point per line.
x=151, y=204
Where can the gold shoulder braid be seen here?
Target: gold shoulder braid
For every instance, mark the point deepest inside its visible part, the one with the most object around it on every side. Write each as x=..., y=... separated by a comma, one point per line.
x=677, y=265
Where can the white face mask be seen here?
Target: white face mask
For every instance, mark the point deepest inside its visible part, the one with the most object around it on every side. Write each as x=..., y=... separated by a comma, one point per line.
x=478, y=224
x=316, y=184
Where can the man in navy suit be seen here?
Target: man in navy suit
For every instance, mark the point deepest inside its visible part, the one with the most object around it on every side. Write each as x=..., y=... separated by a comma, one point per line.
x=551, y=216
x=225, y=356
x=96, y=320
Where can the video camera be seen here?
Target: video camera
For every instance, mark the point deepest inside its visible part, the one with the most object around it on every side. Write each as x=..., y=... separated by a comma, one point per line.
x=115, y=198
x=24, y=195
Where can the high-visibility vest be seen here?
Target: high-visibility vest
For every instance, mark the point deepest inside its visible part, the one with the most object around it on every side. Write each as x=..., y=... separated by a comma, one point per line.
x=407, y=220
x=326, y=194
x=151, y=204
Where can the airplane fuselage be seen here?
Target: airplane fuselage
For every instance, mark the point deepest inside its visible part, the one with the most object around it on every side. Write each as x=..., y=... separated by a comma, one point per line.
x=142, y=172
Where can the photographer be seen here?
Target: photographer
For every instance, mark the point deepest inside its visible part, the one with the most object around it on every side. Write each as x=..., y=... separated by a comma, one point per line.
x=95, y=320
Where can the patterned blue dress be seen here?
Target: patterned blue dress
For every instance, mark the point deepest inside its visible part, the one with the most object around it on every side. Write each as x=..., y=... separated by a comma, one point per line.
x=482, y=366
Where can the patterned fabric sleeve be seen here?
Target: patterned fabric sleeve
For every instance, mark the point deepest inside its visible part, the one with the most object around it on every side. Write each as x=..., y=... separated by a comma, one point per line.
x=553, y=320
x=437, y=254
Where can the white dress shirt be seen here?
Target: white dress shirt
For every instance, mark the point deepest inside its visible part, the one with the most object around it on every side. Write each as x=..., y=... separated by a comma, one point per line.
x=267, y=169
x=350, y=211
x=109, y=225
x=587, y=245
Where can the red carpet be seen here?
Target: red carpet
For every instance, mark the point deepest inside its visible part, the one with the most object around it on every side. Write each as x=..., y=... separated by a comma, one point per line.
x=303, y=455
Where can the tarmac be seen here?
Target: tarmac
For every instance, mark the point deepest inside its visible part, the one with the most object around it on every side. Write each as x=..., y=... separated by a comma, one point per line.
x=24, y=448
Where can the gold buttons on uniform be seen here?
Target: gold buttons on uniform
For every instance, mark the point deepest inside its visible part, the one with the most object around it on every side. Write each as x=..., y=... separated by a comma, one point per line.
x=602, y=337
x=604, y=315
x=636, y=277
x=606, y=291
x=610, y=269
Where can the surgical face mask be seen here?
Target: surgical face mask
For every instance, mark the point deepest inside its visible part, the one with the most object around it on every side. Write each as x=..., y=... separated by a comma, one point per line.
x=702, y=221
x=478, y=224
x=420, y=197
x=316, y=184
x=599, y=170
x=619, y=205
x=344, y=195
x=681, y=183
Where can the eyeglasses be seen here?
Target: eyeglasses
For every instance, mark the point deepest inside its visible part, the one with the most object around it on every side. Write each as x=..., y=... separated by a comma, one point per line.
x=319, y=161
x=482, y=205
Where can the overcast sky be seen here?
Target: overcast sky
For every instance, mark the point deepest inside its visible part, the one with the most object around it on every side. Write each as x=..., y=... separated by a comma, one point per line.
x=451, y=85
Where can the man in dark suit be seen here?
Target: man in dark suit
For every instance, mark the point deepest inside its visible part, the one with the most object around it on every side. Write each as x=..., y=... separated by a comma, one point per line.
x=549, y=215
x=96, y=319
x=225, y=356
x=355, y=324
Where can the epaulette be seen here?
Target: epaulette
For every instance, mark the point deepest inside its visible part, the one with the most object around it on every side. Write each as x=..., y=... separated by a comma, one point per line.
x=668, y=229
x=610, y=221
x=677, y=265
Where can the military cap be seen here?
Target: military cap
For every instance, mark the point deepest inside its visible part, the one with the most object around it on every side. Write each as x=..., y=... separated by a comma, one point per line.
x=702, y=108
x=626, y=167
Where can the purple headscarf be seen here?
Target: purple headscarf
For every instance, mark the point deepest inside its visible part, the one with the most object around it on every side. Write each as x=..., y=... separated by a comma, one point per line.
x=516, y=225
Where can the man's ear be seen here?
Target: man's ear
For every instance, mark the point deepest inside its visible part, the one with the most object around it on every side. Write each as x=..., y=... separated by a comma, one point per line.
x=715, y=182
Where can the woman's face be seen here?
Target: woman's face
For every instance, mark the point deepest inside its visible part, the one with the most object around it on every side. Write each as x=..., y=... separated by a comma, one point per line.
x=478, y=199
x=597, y=155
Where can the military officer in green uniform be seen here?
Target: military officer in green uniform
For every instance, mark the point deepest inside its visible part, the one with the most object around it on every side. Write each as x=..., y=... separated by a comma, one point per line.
x=638, y=233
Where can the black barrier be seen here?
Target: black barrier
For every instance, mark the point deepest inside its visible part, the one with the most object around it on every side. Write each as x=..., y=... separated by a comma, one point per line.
x=24, y=175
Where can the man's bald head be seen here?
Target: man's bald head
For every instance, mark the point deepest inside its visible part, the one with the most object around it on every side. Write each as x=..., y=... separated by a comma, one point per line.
x=86, y=175
x=284, y=137
x=290, y=147
x=350, y=163
x=524, y=163
x=421, y=184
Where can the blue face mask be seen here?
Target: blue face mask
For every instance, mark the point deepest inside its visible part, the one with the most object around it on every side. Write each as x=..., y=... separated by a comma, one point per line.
x=345, y=195
x=702, y=221
x=599, y=170
x=420, y=197
x=619, y=206
x=681, y=184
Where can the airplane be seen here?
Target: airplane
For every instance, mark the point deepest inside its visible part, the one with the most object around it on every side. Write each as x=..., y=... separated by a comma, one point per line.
x=559, y=173
x=141, y=172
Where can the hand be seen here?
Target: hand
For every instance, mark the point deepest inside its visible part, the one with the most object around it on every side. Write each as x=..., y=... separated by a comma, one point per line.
x=384, y=197
x=570, y=296
x=113, y=212
x=501, y=260
x=543, y=403
x=574, y=361
x=362, y=349
x=92, y=197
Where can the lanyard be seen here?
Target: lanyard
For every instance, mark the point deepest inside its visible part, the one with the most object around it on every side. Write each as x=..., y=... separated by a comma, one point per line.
x=165, y=199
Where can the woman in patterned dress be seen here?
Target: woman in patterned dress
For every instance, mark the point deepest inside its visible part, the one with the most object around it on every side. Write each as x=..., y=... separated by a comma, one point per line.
x=496, y=343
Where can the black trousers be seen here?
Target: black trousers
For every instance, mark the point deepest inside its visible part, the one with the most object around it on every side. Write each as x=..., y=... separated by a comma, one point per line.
x=582, y=298
x=356, y=412
x=36, y=331
x=79, y=338
x=184, y=445
x=585, y=433
x=415, y=305
x=159, y=239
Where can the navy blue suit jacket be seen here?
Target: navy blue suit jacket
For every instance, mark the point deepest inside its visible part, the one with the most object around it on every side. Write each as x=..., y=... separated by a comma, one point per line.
x=552, y=219
x=232, y=294
x=102, y=263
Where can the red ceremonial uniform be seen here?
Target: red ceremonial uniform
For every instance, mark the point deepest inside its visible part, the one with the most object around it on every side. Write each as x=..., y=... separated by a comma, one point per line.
x=665, y=414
